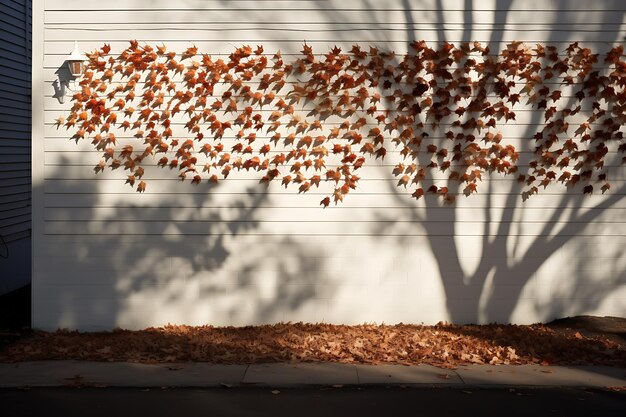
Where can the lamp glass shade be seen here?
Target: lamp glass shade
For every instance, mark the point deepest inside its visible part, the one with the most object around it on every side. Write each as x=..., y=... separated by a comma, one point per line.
x=75, y=61
x=76, y=68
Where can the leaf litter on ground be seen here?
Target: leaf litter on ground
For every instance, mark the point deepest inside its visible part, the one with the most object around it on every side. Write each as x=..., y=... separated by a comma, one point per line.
x=443, y=345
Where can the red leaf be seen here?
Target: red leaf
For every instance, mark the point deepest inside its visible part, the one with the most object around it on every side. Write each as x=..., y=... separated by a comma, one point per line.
x=418, y=193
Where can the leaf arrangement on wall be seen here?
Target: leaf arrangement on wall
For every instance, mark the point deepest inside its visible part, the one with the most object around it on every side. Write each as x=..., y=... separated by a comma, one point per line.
x=321, y=117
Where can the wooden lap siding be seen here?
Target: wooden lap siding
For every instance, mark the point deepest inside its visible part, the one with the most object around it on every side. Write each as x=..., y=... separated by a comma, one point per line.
x=15, y=143
x=106, y=256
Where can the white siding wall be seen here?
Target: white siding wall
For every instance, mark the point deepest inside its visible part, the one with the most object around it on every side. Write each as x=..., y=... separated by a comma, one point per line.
x=105, y=256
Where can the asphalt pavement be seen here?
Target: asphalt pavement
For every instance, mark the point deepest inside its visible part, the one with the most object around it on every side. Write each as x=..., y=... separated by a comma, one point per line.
x=344, y=401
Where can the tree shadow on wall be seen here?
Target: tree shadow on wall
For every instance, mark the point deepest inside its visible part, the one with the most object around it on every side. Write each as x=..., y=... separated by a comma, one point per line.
x=509, y=255
x=508, y=260
x=148, y=255
x=492, y=291
x=164, y=259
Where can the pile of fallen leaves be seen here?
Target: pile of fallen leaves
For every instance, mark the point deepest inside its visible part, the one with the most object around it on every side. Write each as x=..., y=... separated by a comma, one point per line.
x=441, y=345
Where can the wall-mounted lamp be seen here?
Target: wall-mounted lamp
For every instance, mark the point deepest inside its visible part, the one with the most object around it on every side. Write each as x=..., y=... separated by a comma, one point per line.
x=76, y=61
x=75, y=64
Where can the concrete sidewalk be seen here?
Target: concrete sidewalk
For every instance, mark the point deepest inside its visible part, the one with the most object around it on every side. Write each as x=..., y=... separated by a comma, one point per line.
x=121, y=374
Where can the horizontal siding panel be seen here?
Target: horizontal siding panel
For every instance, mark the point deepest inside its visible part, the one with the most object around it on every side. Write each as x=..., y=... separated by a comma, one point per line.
x=20, y=128
x=23, y=173
x=14, y=64
x=259, y=35
x=12, y=9
x=16, y=208
x=54, y=62
x=374, y=167
x=16, y=57
x=87, y=196
x=14, y=75
x=62, y=141
x=12, y=38
x=16, y=150
x=371, y=170
x=289, y=19
x=366, y=186
x=10, y=219
x=17, y=139
x=306, y=108
x=90, y=160
x=523, y=119
x=12, y=197
x=18, y=103
x=17, y=48
x=15, y=111
x=57, y=146
x=20, y=188
x=287, y=228
x=12, y=166
x=23, y=102
x=13, y=35
x=16, y=228
x=61, y=48
x=568, y=92
x=13, y=183
x=52, y=103
x=11, y=140
x=14, y=120
x=519, y=135
x=275, y=243
x=308, y=214
x=18, y=235
x=380, y=183
x=16, y=23
x=256, y=5
x=20, y=83
x=522, y=140
x=326, y=261
x=18, y=5
x=15, y=90
x=14, y=158
x=14, y=51
x=374, y=181
x=15, y=147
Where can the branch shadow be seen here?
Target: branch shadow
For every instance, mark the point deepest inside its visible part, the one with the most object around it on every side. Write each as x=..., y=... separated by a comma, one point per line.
x=169, y=259
x=495, y=288
x=157, y=270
